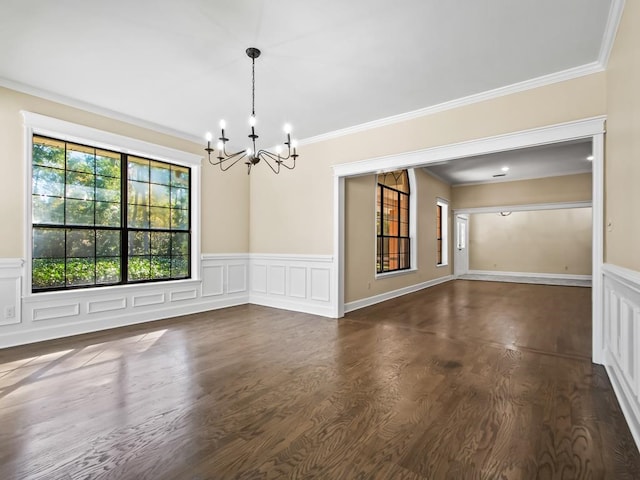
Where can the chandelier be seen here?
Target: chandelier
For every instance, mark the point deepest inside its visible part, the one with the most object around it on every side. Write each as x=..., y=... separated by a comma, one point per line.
x=251, y=155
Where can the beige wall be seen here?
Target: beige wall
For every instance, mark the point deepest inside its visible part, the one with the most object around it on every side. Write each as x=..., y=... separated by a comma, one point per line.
x=225, y=204
x=622, y=163
x=568, y=188
x=293, y=213
x=543, y=241
x=360, y=235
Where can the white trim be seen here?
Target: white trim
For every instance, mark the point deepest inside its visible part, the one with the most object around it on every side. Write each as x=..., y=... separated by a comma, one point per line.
x=562, y=76
x=11, y=263
x=338, y=245
x=630, y=278
x=597, y=249
x=510, y=141
x=92, y=108
x=525, y=208
x=550, y=276
x=395, y=273
x=610, y=31
x=383, y=297
x=73, y=132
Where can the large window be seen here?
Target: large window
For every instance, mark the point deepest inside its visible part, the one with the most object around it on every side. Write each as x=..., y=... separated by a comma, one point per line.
x=101, y=217
x=392, y=222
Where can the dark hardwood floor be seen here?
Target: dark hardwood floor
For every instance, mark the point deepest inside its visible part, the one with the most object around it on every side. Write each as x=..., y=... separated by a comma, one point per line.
x=465, y=380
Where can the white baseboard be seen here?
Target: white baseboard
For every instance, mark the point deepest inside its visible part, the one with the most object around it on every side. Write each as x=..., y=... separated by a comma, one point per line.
x=366, y=302
x=529, y=277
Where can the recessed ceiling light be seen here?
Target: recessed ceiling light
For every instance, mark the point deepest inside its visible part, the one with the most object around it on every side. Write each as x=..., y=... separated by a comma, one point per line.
x=590, y=158
x=505, y=169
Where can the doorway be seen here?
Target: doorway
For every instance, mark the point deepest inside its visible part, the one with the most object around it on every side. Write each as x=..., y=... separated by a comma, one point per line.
x=592, y=128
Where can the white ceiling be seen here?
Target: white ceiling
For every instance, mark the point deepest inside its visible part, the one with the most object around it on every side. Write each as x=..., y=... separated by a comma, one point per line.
x=544, y=161
x=326, y=64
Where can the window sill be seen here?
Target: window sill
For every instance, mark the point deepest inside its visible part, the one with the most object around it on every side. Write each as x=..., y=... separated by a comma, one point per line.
x=395, y=273
x=438, y=265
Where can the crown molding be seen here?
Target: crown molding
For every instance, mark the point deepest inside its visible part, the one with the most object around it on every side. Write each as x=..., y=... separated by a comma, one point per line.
x=610, y=31
x=564, y=75
x=92, y=108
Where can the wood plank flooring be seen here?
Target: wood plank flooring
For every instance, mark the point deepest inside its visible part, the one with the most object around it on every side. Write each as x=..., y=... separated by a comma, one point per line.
x=465, y=380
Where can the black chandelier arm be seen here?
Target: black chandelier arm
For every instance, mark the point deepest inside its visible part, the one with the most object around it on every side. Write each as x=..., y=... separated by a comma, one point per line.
x=264, y=157
x=222, y=161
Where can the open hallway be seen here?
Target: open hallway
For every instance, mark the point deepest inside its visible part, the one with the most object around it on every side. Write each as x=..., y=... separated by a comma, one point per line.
x=467, y=379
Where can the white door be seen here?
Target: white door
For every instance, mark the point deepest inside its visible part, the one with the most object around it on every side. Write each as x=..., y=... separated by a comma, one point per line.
x=461, y=253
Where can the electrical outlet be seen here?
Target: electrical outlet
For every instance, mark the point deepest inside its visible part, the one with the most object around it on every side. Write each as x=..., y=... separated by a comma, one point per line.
x=10, y=312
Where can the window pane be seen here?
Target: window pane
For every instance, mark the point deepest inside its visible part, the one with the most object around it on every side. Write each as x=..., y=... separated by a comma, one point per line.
x=138, y=169
x=179, y=198
x=139, y=243
x=108, y=163
x=159, y=217
x=138, y=193
x=48, y=152
x=108, y=214
x=179, y=244
x=108, y=270
x=80, y=243
x=80, y=158
x=48, y=181
x=160, y=267
x=47, y=210
x=179, y=176
x=108, y=189
x=160, y=173
x=80, y=185
x=79, y=212
x=138, y=216
x=161, y=243
x=179, y=219
x=160, y=196
x=404, y=229
x=107, y=243
x=48, y=242
x=47, y=273
x=81, y=271
x=180, y=267
x=139, y=268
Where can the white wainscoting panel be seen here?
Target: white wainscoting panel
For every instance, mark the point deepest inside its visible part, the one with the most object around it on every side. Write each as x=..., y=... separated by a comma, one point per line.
x=222, y=282
x=293, y=282
x=622, y=340
x=11, y=275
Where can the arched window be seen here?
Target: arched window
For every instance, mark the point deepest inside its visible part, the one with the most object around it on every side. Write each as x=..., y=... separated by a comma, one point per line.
x=392, y=222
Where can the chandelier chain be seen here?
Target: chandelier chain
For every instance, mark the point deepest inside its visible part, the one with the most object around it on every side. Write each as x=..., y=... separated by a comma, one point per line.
x=253, y=86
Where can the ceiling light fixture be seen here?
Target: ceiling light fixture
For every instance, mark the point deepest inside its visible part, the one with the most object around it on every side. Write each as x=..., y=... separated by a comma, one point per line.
x=253, y=156
x=590, y=158
x=505, y=169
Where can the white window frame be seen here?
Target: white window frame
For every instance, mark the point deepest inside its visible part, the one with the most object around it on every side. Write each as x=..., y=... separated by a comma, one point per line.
x=36, y=124
x=441, y=202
